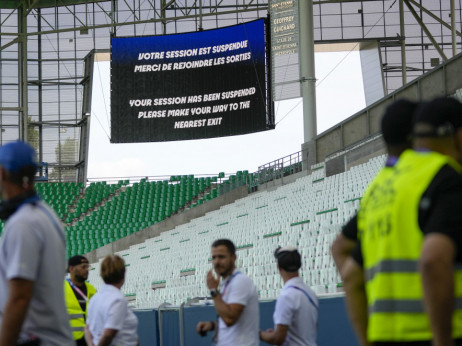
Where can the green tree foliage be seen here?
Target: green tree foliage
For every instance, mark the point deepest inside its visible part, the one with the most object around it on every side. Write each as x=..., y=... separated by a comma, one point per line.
x=33, y=135
x=66, y=154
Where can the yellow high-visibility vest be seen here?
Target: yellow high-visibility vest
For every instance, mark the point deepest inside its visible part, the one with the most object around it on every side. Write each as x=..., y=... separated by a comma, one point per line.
x=77, y=316
x=391, y=243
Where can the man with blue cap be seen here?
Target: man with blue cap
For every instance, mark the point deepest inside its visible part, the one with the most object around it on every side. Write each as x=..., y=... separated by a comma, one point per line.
x=32, y=257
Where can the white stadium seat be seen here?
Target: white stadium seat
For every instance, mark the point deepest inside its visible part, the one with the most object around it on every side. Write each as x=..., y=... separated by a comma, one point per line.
x=307, y=213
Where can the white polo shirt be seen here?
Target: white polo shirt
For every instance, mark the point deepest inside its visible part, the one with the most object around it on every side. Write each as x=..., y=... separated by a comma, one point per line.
x=239, y=289
x=108, y=309
x=300, y=313
x=33, y=248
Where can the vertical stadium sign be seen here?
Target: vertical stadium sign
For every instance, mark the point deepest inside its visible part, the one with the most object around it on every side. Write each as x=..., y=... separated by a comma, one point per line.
x=284, y=49
x=188, y=86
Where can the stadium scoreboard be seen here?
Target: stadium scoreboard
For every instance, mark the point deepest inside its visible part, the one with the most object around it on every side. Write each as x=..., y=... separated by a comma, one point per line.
x=196, y=85
x=285, y=42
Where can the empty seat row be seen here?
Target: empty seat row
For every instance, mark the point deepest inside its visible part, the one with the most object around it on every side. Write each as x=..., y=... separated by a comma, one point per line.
x=307, y=214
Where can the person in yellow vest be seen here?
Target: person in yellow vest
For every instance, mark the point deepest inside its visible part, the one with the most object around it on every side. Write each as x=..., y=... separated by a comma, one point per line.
x=396, y=126
x=410, y=239
x=78, y=292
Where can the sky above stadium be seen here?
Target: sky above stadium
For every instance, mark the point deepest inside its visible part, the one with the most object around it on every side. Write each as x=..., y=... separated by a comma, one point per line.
x=339, y=95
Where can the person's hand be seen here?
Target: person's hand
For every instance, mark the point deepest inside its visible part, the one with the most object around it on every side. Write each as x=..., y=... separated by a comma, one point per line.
x=264, y=335
x=203, y=327
x=212, y=282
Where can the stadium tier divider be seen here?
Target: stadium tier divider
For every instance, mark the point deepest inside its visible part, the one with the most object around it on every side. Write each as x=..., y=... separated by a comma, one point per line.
x=307, y=213
x=94, y=194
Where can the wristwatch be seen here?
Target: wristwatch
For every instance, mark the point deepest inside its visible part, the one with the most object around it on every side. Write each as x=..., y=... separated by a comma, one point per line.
x=214, y=292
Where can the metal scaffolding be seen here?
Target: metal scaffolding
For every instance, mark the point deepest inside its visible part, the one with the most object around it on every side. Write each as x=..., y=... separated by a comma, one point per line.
x=45, y=72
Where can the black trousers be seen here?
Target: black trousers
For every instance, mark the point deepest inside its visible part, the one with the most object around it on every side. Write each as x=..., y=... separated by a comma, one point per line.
x=30, y=343
x=81, y=342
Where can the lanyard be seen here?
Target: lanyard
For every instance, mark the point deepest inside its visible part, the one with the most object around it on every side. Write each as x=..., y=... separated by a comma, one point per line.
x=77, y=289
x=306, y=294
x=227, y=282
x=391, y=161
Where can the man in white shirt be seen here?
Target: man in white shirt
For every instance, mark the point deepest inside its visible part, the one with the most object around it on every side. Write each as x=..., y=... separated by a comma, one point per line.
x=32, y=258
x=236, y=303
x=296, y=313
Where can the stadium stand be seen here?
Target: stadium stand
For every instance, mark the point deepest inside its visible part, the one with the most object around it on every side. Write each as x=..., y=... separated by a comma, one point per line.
x=308, y=213
x=60, y=195
x=92, y=196
x=102, y=212
x=170, y=268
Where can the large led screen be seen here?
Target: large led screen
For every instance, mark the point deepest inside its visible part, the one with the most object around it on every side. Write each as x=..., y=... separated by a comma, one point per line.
x=188, y=86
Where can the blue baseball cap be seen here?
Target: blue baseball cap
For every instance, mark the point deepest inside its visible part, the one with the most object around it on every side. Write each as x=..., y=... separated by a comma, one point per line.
x=16, y=155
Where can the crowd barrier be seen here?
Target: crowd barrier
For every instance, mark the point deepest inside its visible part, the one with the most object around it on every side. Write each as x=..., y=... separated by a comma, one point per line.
x=161, y=327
